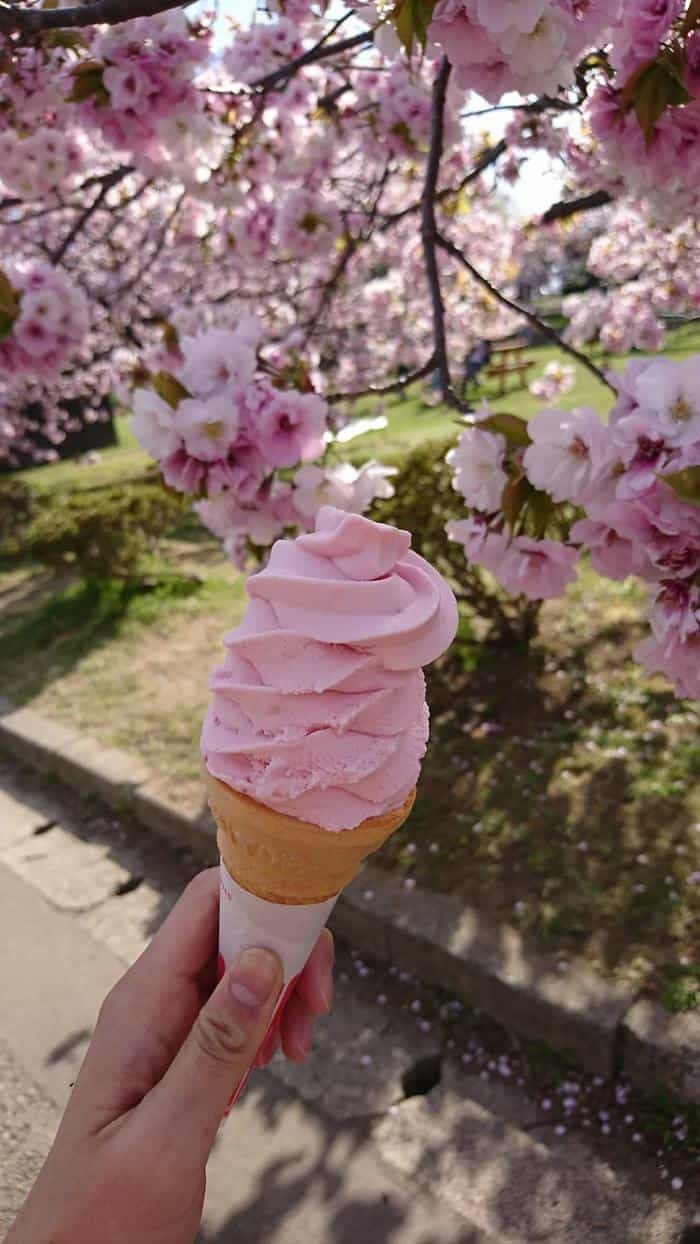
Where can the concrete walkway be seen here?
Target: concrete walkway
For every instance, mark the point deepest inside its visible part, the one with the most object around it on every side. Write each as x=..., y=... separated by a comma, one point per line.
x=325, y=1154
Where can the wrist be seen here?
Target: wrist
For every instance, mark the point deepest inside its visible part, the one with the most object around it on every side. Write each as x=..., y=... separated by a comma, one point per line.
x=37, y=1224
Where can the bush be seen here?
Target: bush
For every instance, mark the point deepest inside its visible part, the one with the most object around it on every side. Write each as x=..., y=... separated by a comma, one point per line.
x=103, y=532
x=16, y=510
x=423, y=503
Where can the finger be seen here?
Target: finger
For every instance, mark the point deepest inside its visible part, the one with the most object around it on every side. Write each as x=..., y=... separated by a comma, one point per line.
x=147, y=1016
x=296, y=1029
x=315, y=985
x=192, y=1097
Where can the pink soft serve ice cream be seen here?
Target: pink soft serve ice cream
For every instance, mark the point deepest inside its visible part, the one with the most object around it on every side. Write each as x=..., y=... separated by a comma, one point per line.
x=319, y=709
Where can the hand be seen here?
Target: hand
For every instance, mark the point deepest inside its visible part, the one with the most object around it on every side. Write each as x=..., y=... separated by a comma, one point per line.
x=128, y=1163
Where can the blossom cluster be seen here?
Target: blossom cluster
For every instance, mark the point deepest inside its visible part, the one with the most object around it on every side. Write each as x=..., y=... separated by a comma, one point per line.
x=622, y=320
x=648, y=274
x=397, y=105
x=307, y=223
x=41, y=163
x=138, y=87
x=635, y=483
x=43, y=319
x=262, y=48
x=237, y=433
x=34, y=81
x=517, y=45
x=646, y=121
x=557, y=378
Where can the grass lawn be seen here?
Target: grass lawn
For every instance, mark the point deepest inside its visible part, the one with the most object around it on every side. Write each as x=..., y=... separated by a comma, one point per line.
x=560, y=790
x=412, y=420
x=123, y=461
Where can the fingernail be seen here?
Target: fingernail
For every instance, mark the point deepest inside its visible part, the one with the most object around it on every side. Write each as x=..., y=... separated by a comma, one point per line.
x=255, y=975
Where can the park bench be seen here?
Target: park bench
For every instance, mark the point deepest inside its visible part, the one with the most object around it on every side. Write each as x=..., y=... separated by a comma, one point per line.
x=501, y=372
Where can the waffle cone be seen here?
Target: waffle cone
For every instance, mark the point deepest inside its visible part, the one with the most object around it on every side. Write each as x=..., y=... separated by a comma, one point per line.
x=284, y=860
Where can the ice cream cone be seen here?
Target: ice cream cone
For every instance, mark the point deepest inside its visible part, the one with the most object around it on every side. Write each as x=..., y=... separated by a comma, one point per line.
x=284, y=860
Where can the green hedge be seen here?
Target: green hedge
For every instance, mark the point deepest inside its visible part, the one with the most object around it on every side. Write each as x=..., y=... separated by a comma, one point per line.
x=16, y=509
x=105, y=532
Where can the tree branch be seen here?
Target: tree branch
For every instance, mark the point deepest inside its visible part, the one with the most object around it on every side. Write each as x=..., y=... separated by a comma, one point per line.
x=110, y=12
x=382, y=390
x=569, y=207
x=450, y=249
x=536, y=106
x=106, y=185
x=490, y=156
x=320, y=51
x=429, y=232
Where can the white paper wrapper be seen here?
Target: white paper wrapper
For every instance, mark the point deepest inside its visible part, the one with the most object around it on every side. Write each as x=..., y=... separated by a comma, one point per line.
x=246, y=920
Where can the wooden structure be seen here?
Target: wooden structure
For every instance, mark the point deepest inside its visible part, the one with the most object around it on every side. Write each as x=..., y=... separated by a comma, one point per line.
x=507, y=360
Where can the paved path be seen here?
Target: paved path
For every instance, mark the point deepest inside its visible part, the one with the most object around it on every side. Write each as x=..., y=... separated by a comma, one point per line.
x=331, y=1152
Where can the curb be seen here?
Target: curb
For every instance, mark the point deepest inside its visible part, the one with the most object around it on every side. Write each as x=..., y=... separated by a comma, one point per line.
x=604, y=1026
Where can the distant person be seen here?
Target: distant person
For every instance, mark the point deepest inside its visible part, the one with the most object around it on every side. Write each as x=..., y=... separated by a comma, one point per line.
x=436, y=393
x=128, y=1163
x=478, y=357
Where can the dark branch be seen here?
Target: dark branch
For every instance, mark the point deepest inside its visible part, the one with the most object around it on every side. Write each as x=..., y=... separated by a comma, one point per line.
x=320, y=51
x=106, y=184
x=450, y=249
x=110, y=12
x=569, y=207
x=490, y=156
x=61, y=205
x=429, y=225
x=330, y=286
x=382, y=390
x=536, y=106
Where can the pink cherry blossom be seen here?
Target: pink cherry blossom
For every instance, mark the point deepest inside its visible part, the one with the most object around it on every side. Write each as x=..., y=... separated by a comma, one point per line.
x=216, y=358
x=678, y=660
x=615, y=541
x=477, y=460
x=671, y=392
x=307, y=224
x=675, y=610
x=152, y=424
x=568, y=452
x=207, y=427
x=183, y=472
x=483, y=546
x=288, y=426
x=538, y=569
x=51, y=322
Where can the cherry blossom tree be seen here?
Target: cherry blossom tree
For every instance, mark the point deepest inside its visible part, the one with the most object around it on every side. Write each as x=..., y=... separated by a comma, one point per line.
x=240, y=231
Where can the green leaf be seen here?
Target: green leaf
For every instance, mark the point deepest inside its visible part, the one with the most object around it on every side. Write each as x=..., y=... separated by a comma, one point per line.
x=171, y=337
x=655, y=87
x=540, y=509
x=511, y=426
x=513, y=498
x=685, y=484
x=170, y=389
x=88, y=83
x=411, y=19
x=69, y=39
x=6, y=323
x=9, y=305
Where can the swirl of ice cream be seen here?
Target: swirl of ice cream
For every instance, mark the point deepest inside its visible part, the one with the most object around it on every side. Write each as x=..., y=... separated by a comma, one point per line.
x=319, y=708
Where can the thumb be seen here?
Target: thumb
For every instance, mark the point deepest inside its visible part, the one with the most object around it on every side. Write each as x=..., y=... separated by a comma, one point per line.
x=192, y=1097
